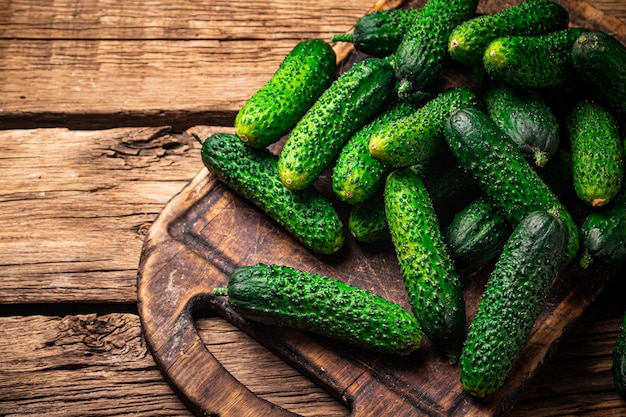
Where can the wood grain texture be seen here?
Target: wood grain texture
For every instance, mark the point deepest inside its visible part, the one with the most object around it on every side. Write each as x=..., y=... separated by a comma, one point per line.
x=77, y=205
x=97, y=64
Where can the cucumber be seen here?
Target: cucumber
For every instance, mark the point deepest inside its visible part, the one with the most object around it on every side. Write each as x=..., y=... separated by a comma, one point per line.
x=539, y=61
x=253, y=173
x=476, y=234
x=469, y=40
x=354, y=98
x=418, y=137
x=501, y=171
x=367, y=221
x=514, y=295
x=603, y=235
x=527, y=120
x=600, y=60
x=431, y=282
x=618, y=368
x=282, y=296
x=273, y=110
x=597, y=152
x=422, y=53
x=379, y=33
x=357, y=174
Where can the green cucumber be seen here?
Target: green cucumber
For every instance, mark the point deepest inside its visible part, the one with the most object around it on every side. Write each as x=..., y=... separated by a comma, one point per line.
x=597, y=152
x=514, y=295
x=253, y=173
x=476, y=234
x=539, y=61
x=600, y=60
x=282, y=296
x=379, y=32
x=618, y=368
x=273, y=110
x=354, y=98
x=526, y=119
x=367, y=221
x=603, y=235
x=501, y=171
x=418, y=137
x=357, y=174
x=422, y=53
x=468, y=41
x=431, y=282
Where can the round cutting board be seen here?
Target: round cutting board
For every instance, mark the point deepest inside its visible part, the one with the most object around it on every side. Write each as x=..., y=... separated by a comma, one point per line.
x=206, y=231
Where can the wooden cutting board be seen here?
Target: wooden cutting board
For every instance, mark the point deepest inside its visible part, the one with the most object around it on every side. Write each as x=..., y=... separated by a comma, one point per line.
x=206, y=231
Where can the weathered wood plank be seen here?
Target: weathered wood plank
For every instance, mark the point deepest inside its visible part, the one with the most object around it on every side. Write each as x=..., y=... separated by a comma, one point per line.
x=98, y=64
x=99, y=365
x=76, y=207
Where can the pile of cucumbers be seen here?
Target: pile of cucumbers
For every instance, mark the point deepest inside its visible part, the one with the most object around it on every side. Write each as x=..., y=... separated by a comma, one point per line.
x=469, y=177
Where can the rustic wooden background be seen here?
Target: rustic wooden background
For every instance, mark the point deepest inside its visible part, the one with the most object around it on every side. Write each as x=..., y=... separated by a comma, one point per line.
x=97, y=102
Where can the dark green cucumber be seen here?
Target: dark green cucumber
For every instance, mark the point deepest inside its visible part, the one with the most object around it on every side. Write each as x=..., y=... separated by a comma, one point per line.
x=432, y=284
x=603, y=235
x=600, y=60
x=379, y=32
x=513, y=297
x=476, y=234
x=357, y=174
x=273, y=110
x=597, y=152
x=418, y=137
x=354, y=98
x=422, y=52
x=468, y=41
x=618, y=368
x=253, y=173
x=501, y=171
x=526, y=119
x=283, y=296
x=367, y=221
x=539, y=61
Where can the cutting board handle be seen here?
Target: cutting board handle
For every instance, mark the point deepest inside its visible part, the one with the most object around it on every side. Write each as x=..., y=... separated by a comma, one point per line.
x=206, y=386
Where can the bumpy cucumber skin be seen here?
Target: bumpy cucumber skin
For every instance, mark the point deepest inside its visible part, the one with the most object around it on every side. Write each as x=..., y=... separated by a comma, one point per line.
x=253, y=173
x=527, y=120
x=273, y=110
x=502, y=172
x=422, y=52
x=283, y=296
x=476, y=234
x=357, y=174
x=513, y=297
x=367, y=221
x=600, y=60
x=597, y=152
x=603, y=235
x=432, y=284
x=350, y=102
x=618, y=368
x=540, y=61
x=468, y=41
x=418, y=137
x=380, y=32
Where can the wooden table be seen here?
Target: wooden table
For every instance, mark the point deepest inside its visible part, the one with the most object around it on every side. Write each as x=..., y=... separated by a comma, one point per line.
x=98, y=101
